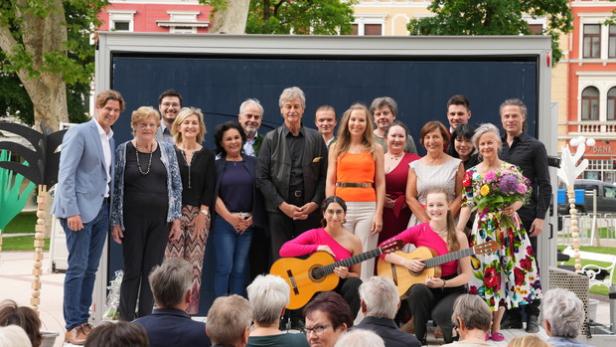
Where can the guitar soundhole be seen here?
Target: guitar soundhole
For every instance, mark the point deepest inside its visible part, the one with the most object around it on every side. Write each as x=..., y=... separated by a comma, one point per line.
x=315, y=273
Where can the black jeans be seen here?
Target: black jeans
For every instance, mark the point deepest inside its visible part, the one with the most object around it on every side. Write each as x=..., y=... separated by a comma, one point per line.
x=283, y=228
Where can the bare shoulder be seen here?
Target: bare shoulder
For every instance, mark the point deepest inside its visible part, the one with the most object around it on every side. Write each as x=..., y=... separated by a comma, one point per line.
x=462, y=239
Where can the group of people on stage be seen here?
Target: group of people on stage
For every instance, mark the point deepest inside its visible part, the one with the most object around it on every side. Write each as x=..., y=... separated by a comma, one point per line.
x=294, y=191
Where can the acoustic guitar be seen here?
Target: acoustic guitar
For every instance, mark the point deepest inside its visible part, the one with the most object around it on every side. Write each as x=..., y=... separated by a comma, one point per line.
x=306, y=277
x=404, y=278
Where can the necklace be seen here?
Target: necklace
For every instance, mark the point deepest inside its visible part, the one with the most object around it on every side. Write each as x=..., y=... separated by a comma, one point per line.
x=395, y=156
x=143, y=173
x=189, y=163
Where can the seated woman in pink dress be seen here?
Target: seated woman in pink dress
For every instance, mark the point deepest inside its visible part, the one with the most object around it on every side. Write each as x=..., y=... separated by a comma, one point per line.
x=396, y=213
x=337, y=241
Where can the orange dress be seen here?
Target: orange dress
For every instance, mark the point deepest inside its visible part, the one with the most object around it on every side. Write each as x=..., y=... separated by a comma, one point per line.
x=356, y=168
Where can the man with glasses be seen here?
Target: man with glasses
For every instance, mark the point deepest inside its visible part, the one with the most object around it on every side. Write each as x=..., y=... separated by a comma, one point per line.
x=169, y=105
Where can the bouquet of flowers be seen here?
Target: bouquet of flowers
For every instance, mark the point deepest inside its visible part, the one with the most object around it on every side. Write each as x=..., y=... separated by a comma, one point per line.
x=496, y=189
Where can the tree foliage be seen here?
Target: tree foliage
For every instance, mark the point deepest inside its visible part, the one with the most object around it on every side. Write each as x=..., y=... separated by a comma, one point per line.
x=45, y=48
x=494, y=17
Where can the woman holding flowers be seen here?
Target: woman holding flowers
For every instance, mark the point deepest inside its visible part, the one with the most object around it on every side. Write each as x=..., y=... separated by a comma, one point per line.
x=496, y=189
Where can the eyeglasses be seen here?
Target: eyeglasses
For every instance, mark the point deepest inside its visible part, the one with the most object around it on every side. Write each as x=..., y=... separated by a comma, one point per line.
x=317, y=329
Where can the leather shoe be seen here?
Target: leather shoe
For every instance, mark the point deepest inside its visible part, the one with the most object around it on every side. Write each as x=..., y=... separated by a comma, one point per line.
x=86, y=328
x=532, y=326
x=75, y=336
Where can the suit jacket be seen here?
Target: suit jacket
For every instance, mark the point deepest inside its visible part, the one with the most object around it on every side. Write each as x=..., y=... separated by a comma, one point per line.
x=172, y=327
x=82, y=178
x=388, y=331
x=274, y=165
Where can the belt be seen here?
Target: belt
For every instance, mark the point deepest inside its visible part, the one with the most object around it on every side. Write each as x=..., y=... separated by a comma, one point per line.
x=297, y=193
x=353, y=184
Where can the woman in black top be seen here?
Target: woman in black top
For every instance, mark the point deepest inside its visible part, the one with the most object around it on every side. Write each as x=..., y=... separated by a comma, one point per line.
x=463, y=145
x=198, y=179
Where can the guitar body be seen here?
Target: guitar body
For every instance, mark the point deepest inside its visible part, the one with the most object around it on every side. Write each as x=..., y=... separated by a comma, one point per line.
x=298, y=275
x=404, y=278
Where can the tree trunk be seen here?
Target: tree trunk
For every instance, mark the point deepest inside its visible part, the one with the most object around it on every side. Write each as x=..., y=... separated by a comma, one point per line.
x=232, y=18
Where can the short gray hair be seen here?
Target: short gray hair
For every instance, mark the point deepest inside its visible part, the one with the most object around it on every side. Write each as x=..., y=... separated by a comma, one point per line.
x=360, y=338
x=292, y=93
x=170, y=282
x=380, y=296
x=514, y=102
x=249, y=102
x=268, y=295
x=228, y=319
x=564, y=311
x=384, y=101
x=484, y=129
x=472, y=311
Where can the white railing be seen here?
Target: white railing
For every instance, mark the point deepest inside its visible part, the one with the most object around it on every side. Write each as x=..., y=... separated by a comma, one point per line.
x=594, y=127
x=595, y=230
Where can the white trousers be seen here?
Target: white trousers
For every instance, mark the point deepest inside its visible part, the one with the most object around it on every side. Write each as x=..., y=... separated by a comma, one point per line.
x=359, y=218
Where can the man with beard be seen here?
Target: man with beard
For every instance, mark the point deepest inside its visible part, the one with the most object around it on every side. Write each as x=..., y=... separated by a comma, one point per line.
x=458, y=113
x=250, y=118
x=169, y=105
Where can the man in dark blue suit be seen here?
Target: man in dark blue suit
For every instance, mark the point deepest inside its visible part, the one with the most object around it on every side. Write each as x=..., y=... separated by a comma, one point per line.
x=169, y=324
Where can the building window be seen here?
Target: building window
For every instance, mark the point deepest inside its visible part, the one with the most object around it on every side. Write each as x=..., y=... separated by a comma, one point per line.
x=611, y=44
x=535, y=29
x=611, y=104
x=592, y=41
x=121, y=20
x=120, y=25
x=368, y=26
x=590, y=104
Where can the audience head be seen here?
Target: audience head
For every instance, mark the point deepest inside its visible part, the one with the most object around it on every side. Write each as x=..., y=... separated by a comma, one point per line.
x=379, y=298
x=396, y=136
x=118, y=334
x=142, y=118
x=528, y=341
x=563, y=313
x=169, y=104
x=171, y=283
x=268, y=295
x=384, y=111
x=188, y=116
x=334, y=211
x=325, y=120
x=327, y=317
x=462, y=140
x=14, y=336
x=458, y=111
x=250, y=116
x=434, y=133
x=23, y=316
x=513, y=116
x=230, y=138
x=228, y=321
x=470, y=312
x=487, y=140
x=360, y=338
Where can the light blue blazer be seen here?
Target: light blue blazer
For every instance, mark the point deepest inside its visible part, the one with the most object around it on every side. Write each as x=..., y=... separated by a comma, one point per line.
x=82, y=179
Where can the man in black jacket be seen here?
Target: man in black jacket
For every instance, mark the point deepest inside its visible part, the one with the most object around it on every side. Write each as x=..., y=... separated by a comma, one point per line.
x=379, y=303
x=291, y=170
x=530, y=156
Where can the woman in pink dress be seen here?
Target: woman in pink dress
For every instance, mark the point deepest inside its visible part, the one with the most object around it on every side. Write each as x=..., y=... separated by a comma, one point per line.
x=396, y=213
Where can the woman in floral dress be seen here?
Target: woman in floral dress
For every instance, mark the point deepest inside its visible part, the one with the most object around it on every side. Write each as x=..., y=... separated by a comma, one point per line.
x=507, y=278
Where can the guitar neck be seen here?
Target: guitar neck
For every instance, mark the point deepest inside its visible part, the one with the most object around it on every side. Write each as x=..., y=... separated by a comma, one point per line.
x=328, y=269
x=445, y=258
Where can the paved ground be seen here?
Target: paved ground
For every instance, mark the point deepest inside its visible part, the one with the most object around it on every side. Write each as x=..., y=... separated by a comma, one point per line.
x=16, y=279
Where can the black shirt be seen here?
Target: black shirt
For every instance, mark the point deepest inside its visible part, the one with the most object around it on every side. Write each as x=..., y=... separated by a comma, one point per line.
x=530, y=155
x=147, y=191
x=296, y=151
x=202, y=176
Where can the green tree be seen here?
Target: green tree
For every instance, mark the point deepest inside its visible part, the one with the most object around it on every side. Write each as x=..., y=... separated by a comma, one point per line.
x=45, y=48
x=494, y=17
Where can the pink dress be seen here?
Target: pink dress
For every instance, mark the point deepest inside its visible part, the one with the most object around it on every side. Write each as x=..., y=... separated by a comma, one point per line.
x=308, y=242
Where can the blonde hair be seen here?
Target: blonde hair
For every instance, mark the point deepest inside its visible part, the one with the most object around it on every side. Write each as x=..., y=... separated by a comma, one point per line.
x=343, y=141
x=528, y=341
x=452, y=239
x=181, y=117
x=142, y=114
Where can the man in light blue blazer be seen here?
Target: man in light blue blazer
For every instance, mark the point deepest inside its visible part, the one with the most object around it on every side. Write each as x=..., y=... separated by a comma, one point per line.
x=82, y=205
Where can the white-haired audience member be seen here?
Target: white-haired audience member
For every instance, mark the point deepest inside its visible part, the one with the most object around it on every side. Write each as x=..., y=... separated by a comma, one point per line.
x=14, y=336
x=169, y=324
x=379, y=303
x=269, y=295
x=360, y=338
x=563, y=315
x=472, y=319
x=228, y=321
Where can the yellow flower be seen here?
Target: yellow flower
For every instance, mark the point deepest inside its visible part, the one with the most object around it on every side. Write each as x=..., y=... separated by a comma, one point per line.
x=485, y=190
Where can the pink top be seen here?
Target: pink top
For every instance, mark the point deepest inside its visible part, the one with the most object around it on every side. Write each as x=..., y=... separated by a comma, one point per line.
x=421, y=235
x=308, y=242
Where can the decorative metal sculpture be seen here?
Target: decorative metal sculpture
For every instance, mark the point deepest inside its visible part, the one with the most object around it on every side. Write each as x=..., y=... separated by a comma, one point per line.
x=569, y=170
x=41, y=168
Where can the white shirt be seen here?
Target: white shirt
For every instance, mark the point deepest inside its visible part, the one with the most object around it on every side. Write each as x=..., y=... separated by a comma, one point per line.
x=248, y=147
x=104, y=137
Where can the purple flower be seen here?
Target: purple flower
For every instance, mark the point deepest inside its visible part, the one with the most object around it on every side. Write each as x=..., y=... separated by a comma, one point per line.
x=521, y=188
x=490, y=176
x=508, y=184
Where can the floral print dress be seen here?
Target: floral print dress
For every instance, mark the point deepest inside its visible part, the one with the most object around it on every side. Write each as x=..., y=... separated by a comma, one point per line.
x=509, y=276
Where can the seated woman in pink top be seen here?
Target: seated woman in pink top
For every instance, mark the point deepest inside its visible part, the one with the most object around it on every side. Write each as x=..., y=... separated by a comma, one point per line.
x=337, y=241
x=435, y=298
